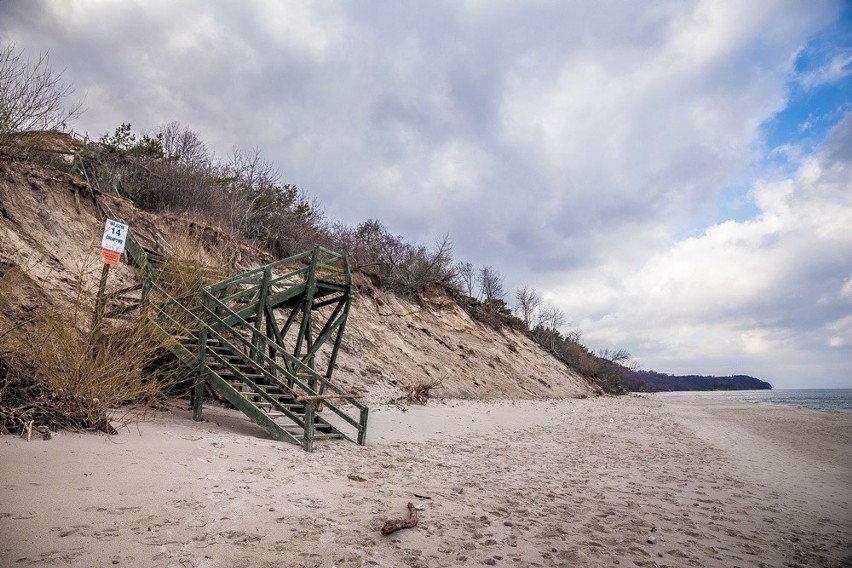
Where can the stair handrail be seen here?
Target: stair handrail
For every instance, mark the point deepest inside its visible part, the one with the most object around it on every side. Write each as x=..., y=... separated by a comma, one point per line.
x=310, y=393
x=248, y=276
x=289, y=357
x=245, y=276
x=150, y=285
x=251, y=384
x=259, y=354
x=255, y=286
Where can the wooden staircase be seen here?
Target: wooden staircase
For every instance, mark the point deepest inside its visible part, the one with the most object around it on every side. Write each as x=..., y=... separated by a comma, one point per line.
x=256, y=340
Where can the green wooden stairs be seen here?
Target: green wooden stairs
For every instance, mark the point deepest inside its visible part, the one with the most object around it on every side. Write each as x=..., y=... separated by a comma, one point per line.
x=266, y=341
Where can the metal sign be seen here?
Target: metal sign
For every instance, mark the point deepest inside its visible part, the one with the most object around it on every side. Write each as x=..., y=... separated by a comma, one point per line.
x=113, y=241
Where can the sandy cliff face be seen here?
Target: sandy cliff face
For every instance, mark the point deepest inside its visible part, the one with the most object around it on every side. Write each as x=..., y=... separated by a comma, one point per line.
x=393, y=343
x=50, y=228
x=49, y=236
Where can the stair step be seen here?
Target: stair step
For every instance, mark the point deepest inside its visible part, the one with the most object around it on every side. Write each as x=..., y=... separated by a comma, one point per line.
x=318, y=436
x=233, y=379
x=218, y=366
x=259, y=402
x=269, y=389
x=264, y=405
x=216, y=345
x=252, y=376
x=276, y=414
x=291, y=427
x=285, y=399
x=299, y=415
x=251, y=394
x=229, y=355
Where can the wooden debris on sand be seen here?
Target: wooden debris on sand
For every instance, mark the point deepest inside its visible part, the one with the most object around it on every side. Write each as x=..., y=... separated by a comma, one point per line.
x=419, y=393
x=396, y=524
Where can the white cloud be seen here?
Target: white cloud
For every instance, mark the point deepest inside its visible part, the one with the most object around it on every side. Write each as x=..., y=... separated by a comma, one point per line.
x=846, y=291
x=771, y=286
x=837, y=68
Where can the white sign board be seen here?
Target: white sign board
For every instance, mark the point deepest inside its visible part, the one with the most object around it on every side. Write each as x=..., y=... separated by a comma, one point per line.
x=115, y=235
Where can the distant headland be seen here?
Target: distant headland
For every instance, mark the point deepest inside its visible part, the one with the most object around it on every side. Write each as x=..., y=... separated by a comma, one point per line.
x=653, y=381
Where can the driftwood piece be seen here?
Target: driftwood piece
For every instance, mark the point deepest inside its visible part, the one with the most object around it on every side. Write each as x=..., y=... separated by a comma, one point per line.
x=397, y=524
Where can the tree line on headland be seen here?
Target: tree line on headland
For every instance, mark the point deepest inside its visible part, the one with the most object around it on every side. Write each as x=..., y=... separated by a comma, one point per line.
x=652, y=381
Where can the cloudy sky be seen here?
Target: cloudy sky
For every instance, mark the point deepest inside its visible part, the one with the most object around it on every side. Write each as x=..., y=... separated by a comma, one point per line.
x=674, y=175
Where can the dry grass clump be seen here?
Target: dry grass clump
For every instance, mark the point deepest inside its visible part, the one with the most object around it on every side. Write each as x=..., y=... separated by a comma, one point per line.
x=56, y=376
x=187, y=267
x=56, y=373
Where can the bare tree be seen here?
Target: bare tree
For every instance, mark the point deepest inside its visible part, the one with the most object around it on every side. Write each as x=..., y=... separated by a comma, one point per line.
x=574, y=336
x=182, y=145
x=248, y=169
x=435, y=265
x=247, y=179
x=528, y=302
x=615, y=355
x=32, y=95
x=490, y=286
x=551, y=319
x=464, y=270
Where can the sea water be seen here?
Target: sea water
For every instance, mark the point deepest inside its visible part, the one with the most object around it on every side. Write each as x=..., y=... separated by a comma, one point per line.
x=835, y=400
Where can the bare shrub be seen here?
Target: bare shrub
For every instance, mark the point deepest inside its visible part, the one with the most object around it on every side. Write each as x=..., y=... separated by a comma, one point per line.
x=394, y=263
x=183, y=146
x=274, y=215
x=172, y=172
x=32, y=95
x=528, y=302
x=276, y=218
x=418, y=393
x=490, y=287
x=58, y=374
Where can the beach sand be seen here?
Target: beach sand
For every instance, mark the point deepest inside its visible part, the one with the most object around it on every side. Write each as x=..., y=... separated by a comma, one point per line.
x=523, y=483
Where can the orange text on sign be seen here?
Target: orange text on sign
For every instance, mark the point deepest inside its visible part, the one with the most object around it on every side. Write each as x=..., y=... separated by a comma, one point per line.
x=111, y=257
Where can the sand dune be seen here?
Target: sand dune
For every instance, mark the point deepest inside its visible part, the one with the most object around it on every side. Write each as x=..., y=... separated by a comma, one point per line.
x=525, y=483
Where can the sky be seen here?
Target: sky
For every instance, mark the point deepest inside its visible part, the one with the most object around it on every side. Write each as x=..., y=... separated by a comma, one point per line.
x=675, y=176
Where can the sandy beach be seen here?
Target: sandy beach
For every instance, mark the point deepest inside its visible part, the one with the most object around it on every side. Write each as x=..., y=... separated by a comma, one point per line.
x=587, y=482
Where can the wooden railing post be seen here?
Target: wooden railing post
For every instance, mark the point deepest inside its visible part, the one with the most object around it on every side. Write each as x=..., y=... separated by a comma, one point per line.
x=145, y=300
x=100, y=304
x=259, y=339
x=201, y=377
x=362, y=429
x=309, y=427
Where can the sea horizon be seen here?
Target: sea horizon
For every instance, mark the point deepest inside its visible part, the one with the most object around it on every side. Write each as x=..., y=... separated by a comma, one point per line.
x=827, y=399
